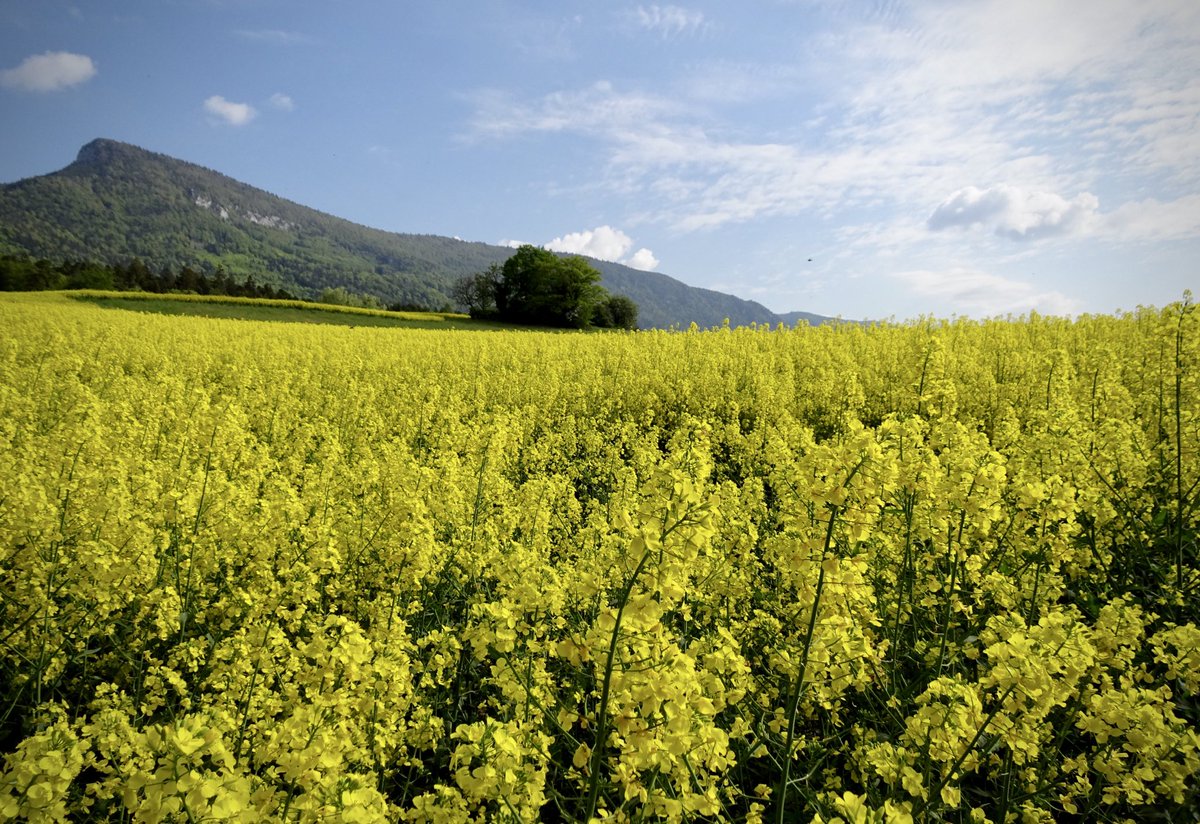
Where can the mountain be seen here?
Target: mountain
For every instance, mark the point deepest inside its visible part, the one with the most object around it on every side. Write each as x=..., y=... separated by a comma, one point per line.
x=118, y=201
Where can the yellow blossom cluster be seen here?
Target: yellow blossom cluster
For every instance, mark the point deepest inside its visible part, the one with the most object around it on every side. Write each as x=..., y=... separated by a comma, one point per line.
x=906, y=572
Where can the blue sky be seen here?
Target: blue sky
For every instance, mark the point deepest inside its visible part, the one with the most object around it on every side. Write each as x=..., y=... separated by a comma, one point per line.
x=868, y=159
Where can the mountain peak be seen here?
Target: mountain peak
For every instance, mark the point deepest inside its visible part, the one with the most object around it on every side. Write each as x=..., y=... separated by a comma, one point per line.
x=102, y=150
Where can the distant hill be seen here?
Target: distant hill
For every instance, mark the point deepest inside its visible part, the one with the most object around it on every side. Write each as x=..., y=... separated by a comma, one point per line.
x=118, y=201
x=792, y=318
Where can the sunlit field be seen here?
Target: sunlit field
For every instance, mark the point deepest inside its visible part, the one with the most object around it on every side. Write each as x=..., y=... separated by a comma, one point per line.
x=286, y=311
x=935, y=571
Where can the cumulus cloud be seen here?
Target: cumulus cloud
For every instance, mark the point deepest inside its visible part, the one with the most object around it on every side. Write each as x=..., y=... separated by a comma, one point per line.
x=643, y=259
x=49, y=72
x=968, y=207
x=282, y=102
x=670, y=21
x=235, y=114
x=604, y=243
x=1015, y=213
x=981, y=293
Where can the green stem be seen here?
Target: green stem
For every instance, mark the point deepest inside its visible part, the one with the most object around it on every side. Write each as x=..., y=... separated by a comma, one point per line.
x=1179, y=447
x=936, y=791
x=905, y=583
x=597, y=760
x=793, y=702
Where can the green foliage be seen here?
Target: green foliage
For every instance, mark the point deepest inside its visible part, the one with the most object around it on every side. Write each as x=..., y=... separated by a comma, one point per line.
x=338, y=296
x=574, y=292
x=539, y=288
x=117, y=201
x=20, y=274
x=617, y=312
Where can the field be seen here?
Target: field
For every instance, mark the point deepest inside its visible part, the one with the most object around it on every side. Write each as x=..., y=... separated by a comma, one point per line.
x=935, y=571
x=285, y=311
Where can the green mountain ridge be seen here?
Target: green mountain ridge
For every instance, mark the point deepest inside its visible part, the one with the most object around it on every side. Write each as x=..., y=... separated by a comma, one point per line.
x=117, y=201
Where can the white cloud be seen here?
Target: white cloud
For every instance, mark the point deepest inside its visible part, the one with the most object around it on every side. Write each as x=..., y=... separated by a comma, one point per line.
x=653, y=147
x=235, y=114
x=1024, y=215
x=597, y=109
x=1153, y=220
x=604, y=243
x=670, y=21
x=915, y=101
x=1015, y=213
x=49, y=72
x=695, y=178
x=980, y=293
x=282, y=102
x=643, y=259
x=1019, y=78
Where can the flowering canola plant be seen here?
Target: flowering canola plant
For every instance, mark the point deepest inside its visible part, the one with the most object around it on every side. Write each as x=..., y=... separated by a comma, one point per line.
x=910, y=572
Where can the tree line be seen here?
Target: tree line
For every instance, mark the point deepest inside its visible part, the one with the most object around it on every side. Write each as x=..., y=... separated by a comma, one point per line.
x=533, y=287
x=537, y=287
x=23, y=274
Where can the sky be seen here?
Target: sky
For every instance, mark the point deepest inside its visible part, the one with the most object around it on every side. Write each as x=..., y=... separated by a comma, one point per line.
x=862, y=159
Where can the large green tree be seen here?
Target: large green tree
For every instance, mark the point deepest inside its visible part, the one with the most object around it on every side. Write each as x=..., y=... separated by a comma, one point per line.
x=538, y=287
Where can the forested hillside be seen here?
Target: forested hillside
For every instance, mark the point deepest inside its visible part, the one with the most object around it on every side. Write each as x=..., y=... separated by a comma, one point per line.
x=117, y=202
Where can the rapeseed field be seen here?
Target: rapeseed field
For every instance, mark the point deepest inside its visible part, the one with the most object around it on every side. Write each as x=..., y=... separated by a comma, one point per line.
x=930, y=571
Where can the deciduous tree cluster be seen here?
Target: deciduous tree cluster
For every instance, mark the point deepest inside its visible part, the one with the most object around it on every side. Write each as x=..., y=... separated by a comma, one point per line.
x=540, y=288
